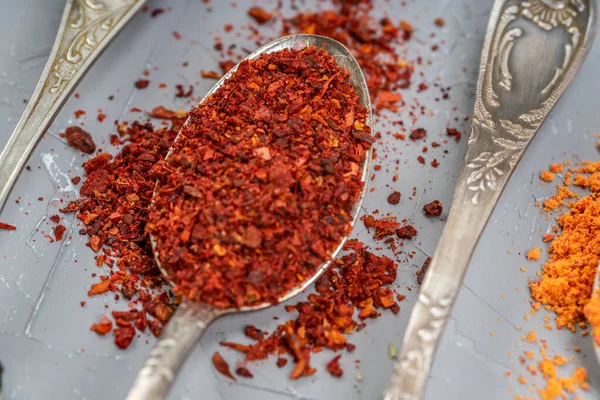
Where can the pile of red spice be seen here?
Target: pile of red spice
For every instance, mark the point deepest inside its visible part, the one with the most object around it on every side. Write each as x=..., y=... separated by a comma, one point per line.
x=113, y=208
x=353, y=290
x=260, y=187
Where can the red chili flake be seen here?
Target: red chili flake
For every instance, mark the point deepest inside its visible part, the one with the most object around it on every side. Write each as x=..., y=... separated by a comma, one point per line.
x=228, y=27
x=548, y=237
x=177, y=35
x=7, y=227
x=290, y=170
x=394, y=198
x=59, y=231
x=253, y=332
x=244, y=372
x=80, y=139
x=99, y=288
x=181, y=92
x=79, y=113
x=55, y=219
x=101, y=117
x=421, y=273
x=334, y=367
x=123, y=336
x=102, y=327
x=259, y=15
x=142, y=83
x=435, y=144
x=454, y=132
x=406, y=232
x=227, y=65
x=156, y=12
x=421, y=160
x=281, y=362
x=162, y=113
x=221, y=365
x=407, y=28
x=440, y=22
x=210, y=74
x=162, y=85
x=76, y=180
x=433, y=209
x=418, y=133
x=435, y=163
x=115, y=140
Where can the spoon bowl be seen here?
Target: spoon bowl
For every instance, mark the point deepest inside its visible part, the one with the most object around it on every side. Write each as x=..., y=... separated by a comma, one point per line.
x=189, y=322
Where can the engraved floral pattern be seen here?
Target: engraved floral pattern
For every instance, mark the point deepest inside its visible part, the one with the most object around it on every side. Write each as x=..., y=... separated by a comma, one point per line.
x=548, y=14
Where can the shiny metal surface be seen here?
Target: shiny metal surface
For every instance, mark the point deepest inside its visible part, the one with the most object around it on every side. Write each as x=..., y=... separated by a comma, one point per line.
x=87, y=27
x=189, y=322
x=531, y=52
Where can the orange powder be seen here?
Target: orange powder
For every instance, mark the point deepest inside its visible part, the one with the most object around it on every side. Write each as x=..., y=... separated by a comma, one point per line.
x=534, y=254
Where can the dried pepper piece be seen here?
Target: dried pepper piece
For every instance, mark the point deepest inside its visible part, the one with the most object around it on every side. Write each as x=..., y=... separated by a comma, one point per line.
x=260, y=15
x=263, y=180
x=433, y=209
x=124, y=336
x=221, y=365
x=421, y=273
x=103, y=327
x=80, y=139
x=356, y=282
x=407, y=232
x=142, y=83
x=210, y=74
x=182, y=92
x=59, y=232
x=7, y=227
x=334, y=367
x=394, y=198
x=244, y=372
x=418, y=133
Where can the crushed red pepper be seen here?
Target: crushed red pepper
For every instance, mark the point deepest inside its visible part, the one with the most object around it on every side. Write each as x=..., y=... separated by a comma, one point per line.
x=260, y=15
x=433, y=209
x=352, y=291
x=80, y=139
x=262, y=182
x=59, y=231
x=394, y=198
x=142, y=83
x=7, y=227
x=222, y=366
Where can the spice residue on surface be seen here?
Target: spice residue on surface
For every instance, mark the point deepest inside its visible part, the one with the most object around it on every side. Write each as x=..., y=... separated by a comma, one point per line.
x=80, y=139
x=280, y=146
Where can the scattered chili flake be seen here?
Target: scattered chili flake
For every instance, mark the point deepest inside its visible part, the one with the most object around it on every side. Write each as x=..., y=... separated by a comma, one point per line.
x=177, y=35
x=454, y=132
x=394, y=198
x=358, y=281
x=142, y=83
x=222, y=366
x=547, y=176
x=548, y=237
x=312, y=157
x=244, y=372
x=103, y=327
x=210, y=74
x=79, y=113
x=418, y=133
x=433, y=209
x=80, y=139
x=534, y=254
x=406, y=232
x=55, y=219
x=181, y=92
x=101, y=117
x=334, y=367
x=156, y=12
x=259, y=15
x=435, y=163
x=227, y=65
x=421, y=273
x=253, y=333
x=59, y=231
x=228, y=27
x=124, y=336
x=7, y=227
x=440, y=22
x=421, y=159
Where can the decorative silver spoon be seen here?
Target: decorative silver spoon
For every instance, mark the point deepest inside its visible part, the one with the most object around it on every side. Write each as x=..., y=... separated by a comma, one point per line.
x=86, y=28
x=191, y=319
x=531, y=52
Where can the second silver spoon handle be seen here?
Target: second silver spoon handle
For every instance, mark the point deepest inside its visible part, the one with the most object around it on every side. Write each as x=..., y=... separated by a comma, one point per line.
x=178, y=340
x=86, y=28
x=530, y=55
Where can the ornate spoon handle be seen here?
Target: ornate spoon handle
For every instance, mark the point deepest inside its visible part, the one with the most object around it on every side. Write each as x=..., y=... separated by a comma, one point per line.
x=86, y=28
x=531, y=52
x=177, y=341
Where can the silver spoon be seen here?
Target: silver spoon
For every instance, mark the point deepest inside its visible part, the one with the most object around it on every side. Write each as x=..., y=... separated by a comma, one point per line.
x=191, y=319
x=531, y=52
x=86, y=28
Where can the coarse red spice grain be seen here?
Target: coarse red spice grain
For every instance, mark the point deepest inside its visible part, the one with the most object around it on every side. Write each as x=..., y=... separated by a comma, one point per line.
x=406, y=232
x=263, y=180
x=418, y=133
x=182, y=92
x=210, y=74
x=421, y=273
x=142, y=83
x=59, y=231
x=243, y=372
x=394, y=198
x=454, y=133
x=7, y=227
x=334, y=367
x=80, y=139
x=222, y=366
x=260, y=15
x=433, y=209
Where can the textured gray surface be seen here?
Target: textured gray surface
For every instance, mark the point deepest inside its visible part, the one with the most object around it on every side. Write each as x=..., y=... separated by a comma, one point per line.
x=45, y=344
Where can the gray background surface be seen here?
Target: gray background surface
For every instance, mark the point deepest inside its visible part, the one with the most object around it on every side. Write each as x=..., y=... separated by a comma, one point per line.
x=45, y=345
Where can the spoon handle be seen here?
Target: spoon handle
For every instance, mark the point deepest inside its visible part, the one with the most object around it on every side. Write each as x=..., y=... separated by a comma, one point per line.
x=531, y=53
x=180, y=336
x=86, y=28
